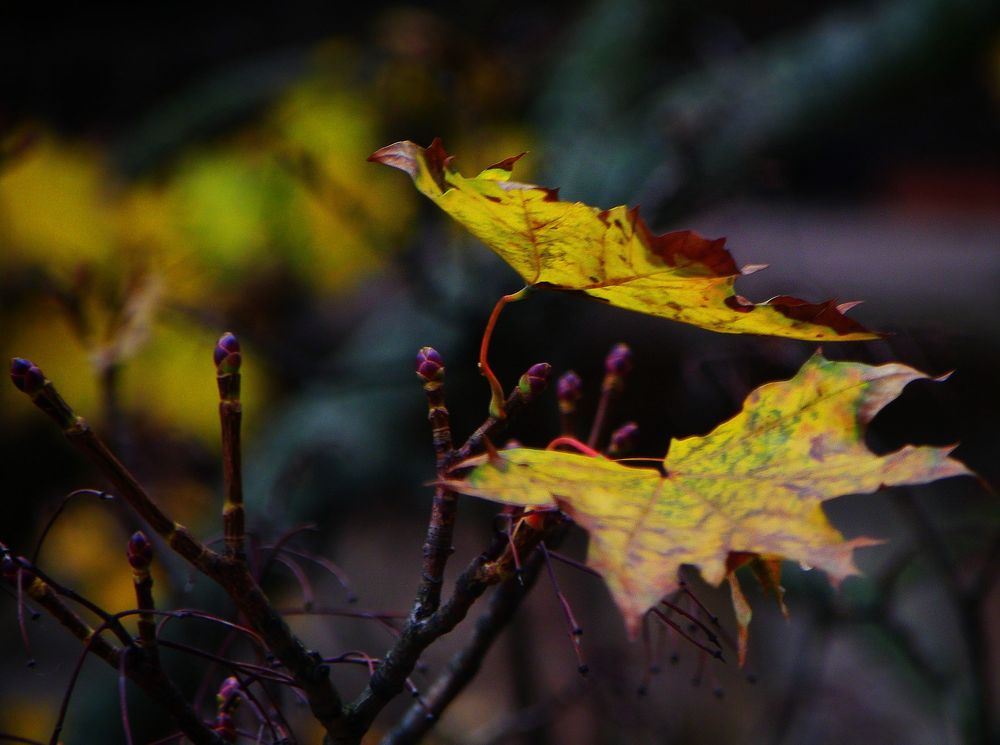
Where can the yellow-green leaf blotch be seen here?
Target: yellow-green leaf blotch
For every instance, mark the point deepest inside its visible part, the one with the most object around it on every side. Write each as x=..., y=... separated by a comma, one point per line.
x=755, y=484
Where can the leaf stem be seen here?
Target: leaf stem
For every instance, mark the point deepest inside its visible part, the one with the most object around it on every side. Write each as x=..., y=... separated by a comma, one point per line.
x=575, y=444
x=149, y=677
x=496, y=390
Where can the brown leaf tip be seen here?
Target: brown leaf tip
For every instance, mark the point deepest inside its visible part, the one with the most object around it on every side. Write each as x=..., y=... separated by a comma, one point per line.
x=739, y=303
x=682, y=248
x=398, y=155
x=827, y=314
x=406, y=157
x=507, y=164
x=438, y=161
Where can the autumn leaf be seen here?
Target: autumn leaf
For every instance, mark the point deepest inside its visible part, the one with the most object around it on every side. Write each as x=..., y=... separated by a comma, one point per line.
x=752, y=488
x=610, y=254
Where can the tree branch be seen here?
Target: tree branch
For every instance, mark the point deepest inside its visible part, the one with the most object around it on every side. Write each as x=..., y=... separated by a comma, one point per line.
x=493, y=566
x=464, y=665
x=231, y=574
x=141, y=668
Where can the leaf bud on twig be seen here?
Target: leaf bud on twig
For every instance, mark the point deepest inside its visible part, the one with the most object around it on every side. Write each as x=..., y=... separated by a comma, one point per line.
x=619, y=360
x=26, y=376
x=623, y=439
x=430, y=365
x=227, y=354
x=140, y=551
x=535, y=380
x=570, y=391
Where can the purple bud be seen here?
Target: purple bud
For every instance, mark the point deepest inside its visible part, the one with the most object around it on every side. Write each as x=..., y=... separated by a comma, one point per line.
x=227, y=691
x=534, y=381
x=140, y=551
x=430, y=365
x=227, y=354
x=570, y=390
x=624, y=438
x=619, y=360
x=25, y=376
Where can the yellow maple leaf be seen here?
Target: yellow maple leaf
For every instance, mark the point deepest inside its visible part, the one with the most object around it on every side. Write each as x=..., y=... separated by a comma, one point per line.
x=610, y=254
x=754, y=486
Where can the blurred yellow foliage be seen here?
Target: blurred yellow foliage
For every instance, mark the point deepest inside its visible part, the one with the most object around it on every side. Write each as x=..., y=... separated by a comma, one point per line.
x=89, y=544
x=30, y=716
x=127, y=267
x=54, y=206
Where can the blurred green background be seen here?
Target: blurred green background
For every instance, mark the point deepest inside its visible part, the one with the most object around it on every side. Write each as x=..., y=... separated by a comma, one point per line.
x=167, y=175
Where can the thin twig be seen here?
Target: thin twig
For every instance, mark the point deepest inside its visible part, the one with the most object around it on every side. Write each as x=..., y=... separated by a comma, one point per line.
x=464, y=665
x=437, y=546
x=494, y=565
x=140, y=667
x=116, y=627
x=55, y=515
x=335, y=571
x=227, y=359
x=308, y=596
x=232, y=575
x=123, y=696
x=257, y=672
x=617, y=365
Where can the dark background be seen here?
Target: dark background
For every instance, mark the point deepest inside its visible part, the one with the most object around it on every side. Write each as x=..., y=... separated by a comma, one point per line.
x=853, y=146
